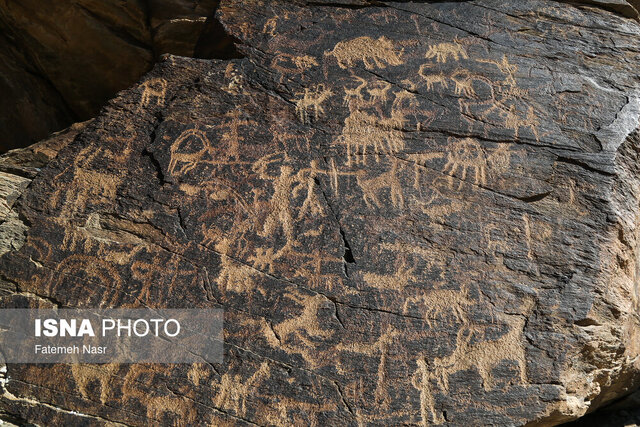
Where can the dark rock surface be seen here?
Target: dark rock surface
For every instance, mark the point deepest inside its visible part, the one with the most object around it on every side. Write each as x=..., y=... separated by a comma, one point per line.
x=60, y=61
x=412, y=213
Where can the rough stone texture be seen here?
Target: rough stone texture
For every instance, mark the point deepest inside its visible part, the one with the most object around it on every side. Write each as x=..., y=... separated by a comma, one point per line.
x=625, y=412
x=60, y=61
x=412, y=213
x=17, y=169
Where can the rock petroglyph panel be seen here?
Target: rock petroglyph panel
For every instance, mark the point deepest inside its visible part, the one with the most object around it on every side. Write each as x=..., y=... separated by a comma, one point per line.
x=389, y=203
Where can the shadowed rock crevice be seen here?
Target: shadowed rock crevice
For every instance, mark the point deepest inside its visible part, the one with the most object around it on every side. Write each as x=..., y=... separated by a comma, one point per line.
x=61, y=61
x=624, y=412
x=215, y=42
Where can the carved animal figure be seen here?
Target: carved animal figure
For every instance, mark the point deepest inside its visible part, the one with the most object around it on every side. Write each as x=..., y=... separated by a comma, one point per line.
x=90, y=273
x=286, y=64
x=463, y=82
x=371, y=187
x=184, y=156
x=484, y=356
x=443, y=51
x=233, y=390
x=86, y=376
x=153, y=89
x=516, y=121
x=439, y=304
x=312, y=100
x=379, y=91
x=466, y=156
x=363, y=131
x=137, y=389
x=354, y=98
x=374, y=53
x=432, y=79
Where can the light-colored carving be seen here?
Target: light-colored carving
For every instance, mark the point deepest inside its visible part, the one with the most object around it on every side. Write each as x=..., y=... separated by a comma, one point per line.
x=505, y=68
x=87, y=185
x=432, y=258
x=281, y=213
x=304, y=62
x=380, y=347
x=421, y=162
x=502, y=103
x=139, y=388
x=397, y=281
x=310, y=105
x=497, y=240
x=515, y=121
x=171, y=271
x=286, y=64
x=439, y=210
x=231, y=136
x=439, y=304
x=270, y=26
x=264, y=259
x=126, y=141
x=421, y=381
x=466, y=156
x=371, y=187
x=86, y=376
x=364, y=131
x=482, y=356
x=374, y=53
x=40, y=247
x=233, y=80
x=463, y=83
x=404, y=102
x=379, y=91
x=223, y=200
x=500, y=158
x=314, y=267
x=486, y=355
x=306, y=179
x=432, y=79
x=442, y=52
x=527, y=236
x=153, y=89
x=88, y=272
x=354, y=98
x=333, y=173
x=233, y=390
x=198, y=373
x=307, y=323
x=385, y=14
x=234, y=276
x=189, y=150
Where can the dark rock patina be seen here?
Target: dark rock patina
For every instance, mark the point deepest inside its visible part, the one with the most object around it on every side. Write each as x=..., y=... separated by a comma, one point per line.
x=412, y=213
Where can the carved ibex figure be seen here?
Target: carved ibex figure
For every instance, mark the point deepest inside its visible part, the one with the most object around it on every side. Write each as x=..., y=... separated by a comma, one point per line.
x=189, y=159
